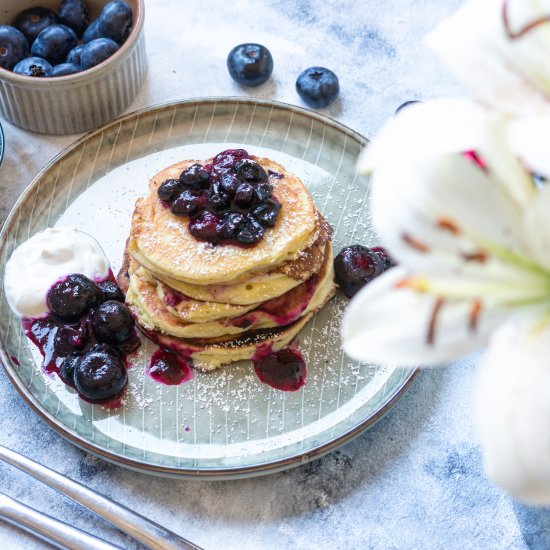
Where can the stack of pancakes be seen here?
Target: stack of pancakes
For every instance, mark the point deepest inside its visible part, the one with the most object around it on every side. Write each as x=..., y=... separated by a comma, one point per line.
x=215, y=304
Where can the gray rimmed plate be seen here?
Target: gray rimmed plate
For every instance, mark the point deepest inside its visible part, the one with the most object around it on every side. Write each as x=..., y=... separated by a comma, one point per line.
x=225, y=424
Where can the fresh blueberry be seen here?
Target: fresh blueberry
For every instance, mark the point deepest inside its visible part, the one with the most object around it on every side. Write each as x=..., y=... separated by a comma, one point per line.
x=113, y=323
x=31, y=22
x=33, y=66
x=229, y=183
x=69, y=339
x=74, y=55
x=318, y=87
x=204, y=227
x=195, y=177
x=382, y=253
x=263, y=191
x=66, y=371
x=188, y=203
x=406, y=104
x=64, y=69
x=355, y=266
x=72, y=297
x=244, y=196
x=13, y=47
x=54, y=43
x=92, y=32
x=229, y=225
x=169, y=190
x=111, y=291
x=250, y=64
x=115, y=21
x=97, y=51
x=267, y=212
x=100, y=375
x=250, y=231
x=74, y=14
x=250, y=171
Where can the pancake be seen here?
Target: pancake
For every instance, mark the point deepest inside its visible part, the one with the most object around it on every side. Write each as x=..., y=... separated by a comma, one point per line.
x=162, y=243
x=153, y=314
x=262, y=286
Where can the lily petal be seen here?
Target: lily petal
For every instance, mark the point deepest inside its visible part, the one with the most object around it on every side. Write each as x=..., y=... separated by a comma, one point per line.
x=387, y=323
x=529, y=139
x=499, y=50
x=512, y=408
x=537, y=227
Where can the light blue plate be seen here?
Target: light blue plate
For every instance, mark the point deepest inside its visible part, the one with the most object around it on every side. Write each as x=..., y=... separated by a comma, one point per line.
x=225, y=424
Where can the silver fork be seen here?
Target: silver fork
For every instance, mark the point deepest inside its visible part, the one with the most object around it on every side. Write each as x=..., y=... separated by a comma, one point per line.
x=147, y=532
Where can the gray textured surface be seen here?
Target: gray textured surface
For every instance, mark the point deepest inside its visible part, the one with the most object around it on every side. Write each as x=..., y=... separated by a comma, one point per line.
x=414, y=480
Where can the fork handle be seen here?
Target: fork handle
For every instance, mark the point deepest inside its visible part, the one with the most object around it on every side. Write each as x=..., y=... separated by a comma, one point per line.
x=147, y=532
x=49, y=529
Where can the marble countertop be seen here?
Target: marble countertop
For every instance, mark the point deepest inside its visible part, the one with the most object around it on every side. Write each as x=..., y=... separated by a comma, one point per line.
x=415, y=480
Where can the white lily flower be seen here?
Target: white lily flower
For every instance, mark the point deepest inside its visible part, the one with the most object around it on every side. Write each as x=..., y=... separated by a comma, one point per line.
x=453, y=201
x=499, y=49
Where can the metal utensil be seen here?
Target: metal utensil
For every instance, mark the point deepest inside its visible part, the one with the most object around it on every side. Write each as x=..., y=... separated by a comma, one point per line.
x=147, y=532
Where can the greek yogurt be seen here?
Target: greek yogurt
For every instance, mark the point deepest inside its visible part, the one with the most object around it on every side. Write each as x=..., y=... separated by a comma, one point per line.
x=37, y=264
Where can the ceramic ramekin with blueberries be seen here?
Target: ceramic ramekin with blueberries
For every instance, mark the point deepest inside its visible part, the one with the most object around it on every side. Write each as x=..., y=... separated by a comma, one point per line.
x=67, y=66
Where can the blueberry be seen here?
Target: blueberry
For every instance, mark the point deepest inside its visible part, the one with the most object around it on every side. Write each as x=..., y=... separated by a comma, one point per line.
x=318, y=87
x=33, y=66
x=405, y=105
x=31, y=22
x=74, y=14
x=64, y=69
x=263, y=191
x=66, y=371
x=115, y=21
x=188, y=203
x=218, y=202
x=250, y=64
x=92, y=32
x=195, y=177
x=97, y=51
x=250, y=171
x=13, y=47
x=355, y=266
x=111, y=291
x=244, y=196
x=75, y=54
x=229, y=183
x=382, y=253
x=54, y=43
x=71, y=298
x=100, y=375
x=229, y=225
x=113, y=323
x=169, y=190
x=250, y=231
x=204, y=227
x=267, y=212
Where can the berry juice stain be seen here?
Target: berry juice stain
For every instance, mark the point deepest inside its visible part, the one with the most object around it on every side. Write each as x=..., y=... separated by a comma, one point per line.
x=283, y=370
x=168, y=368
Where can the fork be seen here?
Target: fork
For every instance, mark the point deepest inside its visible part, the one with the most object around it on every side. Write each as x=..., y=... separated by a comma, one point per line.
x=147, y=532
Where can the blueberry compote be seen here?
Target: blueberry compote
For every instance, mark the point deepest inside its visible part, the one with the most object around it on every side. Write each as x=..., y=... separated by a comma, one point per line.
x=283, y=370
x=229, y=200
x=86, y=337
x=169, y=368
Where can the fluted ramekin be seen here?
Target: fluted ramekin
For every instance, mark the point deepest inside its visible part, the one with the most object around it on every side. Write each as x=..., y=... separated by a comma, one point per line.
x=75, y=103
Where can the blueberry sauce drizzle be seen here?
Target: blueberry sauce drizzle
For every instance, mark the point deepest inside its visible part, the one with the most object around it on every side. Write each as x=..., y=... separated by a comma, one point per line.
x=283, y=370
x=168, y=368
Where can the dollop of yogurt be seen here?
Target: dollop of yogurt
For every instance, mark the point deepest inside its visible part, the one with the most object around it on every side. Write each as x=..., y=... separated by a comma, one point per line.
x=37, y=264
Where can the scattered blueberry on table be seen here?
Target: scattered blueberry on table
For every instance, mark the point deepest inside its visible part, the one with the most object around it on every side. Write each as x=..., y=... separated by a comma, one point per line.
x=43, y=43
x=250, y=64
x=318, y=87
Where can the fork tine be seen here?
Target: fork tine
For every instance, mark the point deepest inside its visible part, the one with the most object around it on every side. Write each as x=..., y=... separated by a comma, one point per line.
x=147, y=532
x=49, y=529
